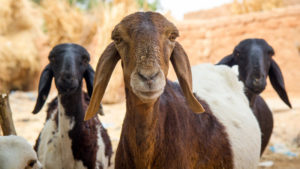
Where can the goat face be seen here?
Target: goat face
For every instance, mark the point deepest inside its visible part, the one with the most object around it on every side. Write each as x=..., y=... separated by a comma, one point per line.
x=145, y=42
x=145, y=49
x=69, y=63
x=255, y=62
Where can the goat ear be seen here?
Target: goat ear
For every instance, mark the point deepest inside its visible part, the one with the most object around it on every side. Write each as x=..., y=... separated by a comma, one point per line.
x=89, y=79
x=44, y=88
x=182, y=68
x=228, y=60
x=277, y=82
x=105, y=67
x=89, y=75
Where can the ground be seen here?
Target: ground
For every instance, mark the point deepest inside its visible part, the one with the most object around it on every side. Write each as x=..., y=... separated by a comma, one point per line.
x=286, y=129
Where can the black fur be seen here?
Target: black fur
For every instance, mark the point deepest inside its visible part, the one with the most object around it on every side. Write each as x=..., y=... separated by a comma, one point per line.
x=254, y=58
x=44, y=88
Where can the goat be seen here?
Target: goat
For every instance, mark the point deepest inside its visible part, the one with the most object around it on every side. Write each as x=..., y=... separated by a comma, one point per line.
x=67, y=141
x=17, y=153
x=255, y=63
x=165, y=125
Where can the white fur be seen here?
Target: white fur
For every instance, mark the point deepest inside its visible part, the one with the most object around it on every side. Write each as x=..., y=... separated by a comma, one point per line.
x=220, y=88
x=16, y=153
x=235, y=69
x=57, y=153
x=101, y=158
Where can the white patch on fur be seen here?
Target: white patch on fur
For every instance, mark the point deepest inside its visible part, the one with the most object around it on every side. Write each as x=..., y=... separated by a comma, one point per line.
x=235, y=69
x=101, y=158
x=220, y=88
x=55, y=151
x=16, y=153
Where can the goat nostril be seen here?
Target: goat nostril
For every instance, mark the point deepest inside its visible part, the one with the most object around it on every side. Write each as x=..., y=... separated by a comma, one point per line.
x=154, y=76
x=257, y=81
x=142, y=76
x=68, y=77
x=149, y=82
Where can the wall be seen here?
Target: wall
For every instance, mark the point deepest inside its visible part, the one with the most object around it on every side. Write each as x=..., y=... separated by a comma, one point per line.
x=210, y=40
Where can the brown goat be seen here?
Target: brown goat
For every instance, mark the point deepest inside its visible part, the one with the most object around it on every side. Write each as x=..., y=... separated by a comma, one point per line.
x=165, y=126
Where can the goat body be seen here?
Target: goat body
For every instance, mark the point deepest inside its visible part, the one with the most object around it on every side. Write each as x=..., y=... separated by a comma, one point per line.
x=166, y=125
x=67, y=141
x=170, y=135
x=254, y=61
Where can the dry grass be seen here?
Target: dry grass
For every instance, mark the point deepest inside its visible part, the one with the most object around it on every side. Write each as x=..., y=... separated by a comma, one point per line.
x=58, y=22
x=92, y=29
x=19, y=28
x=67, y=23
x=248, y=6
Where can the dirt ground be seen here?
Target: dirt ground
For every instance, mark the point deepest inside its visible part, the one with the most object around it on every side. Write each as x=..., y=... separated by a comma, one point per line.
x=286, y=129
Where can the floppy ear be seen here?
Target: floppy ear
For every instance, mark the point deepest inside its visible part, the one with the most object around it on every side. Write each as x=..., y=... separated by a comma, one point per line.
x=89, y=79
x=182, y=68
x=44, y=88
x=228, y=60
x=277, y=82
x=105, y=67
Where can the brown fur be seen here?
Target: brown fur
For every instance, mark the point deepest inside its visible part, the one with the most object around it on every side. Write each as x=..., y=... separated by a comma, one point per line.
x=164, y=131
x=264, y=117
x=171, y=136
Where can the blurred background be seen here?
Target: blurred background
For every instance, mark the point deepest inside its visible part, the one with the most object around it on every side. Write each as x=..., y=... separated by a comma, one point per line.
x=209, y=30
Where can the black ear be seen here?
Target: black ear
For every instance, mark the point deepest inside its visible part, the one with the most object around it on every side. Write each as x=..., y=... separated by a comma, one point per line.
x=44, y=88
x=89, y=79
x=228, y=60
x=277, y=82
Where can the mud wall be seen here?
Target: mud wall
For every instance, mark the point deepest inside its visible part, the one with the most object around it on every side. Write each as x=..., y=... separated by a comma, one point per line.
x=210, y=40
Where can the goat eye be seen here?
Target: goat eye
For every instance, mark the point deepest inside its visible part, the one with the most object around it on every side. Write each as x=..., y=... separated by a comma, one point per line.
x=270, y=52
x=172, y=37
x=85, y=60
x=31, y=163
x=118, y=40
x=52, y=59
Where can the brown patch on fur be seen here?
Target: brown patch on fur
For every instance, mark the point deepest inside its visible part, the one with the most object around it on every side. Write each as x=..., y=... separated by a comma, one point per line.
x=159, y=131
x=264, y=117
x=175, y=137
x=108, y=146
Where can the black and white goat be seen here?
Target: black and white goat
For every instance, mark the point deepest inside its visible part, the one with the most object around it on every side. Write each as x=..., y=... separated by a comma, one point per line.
x=67, y=141
x=255, y=63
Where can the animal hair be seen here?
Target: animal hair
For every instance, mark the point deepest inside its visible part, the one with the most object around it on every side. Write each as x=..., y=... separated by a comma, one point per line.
x=16, y=153
x=167, y=125
x=255, y=63
x=66, y=141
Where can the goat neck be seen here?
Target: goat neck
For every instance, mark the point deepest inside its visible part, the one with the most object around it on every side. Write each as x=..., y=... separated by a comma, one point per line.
x=251, y=97
x=142, y=131
x=72, y=104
